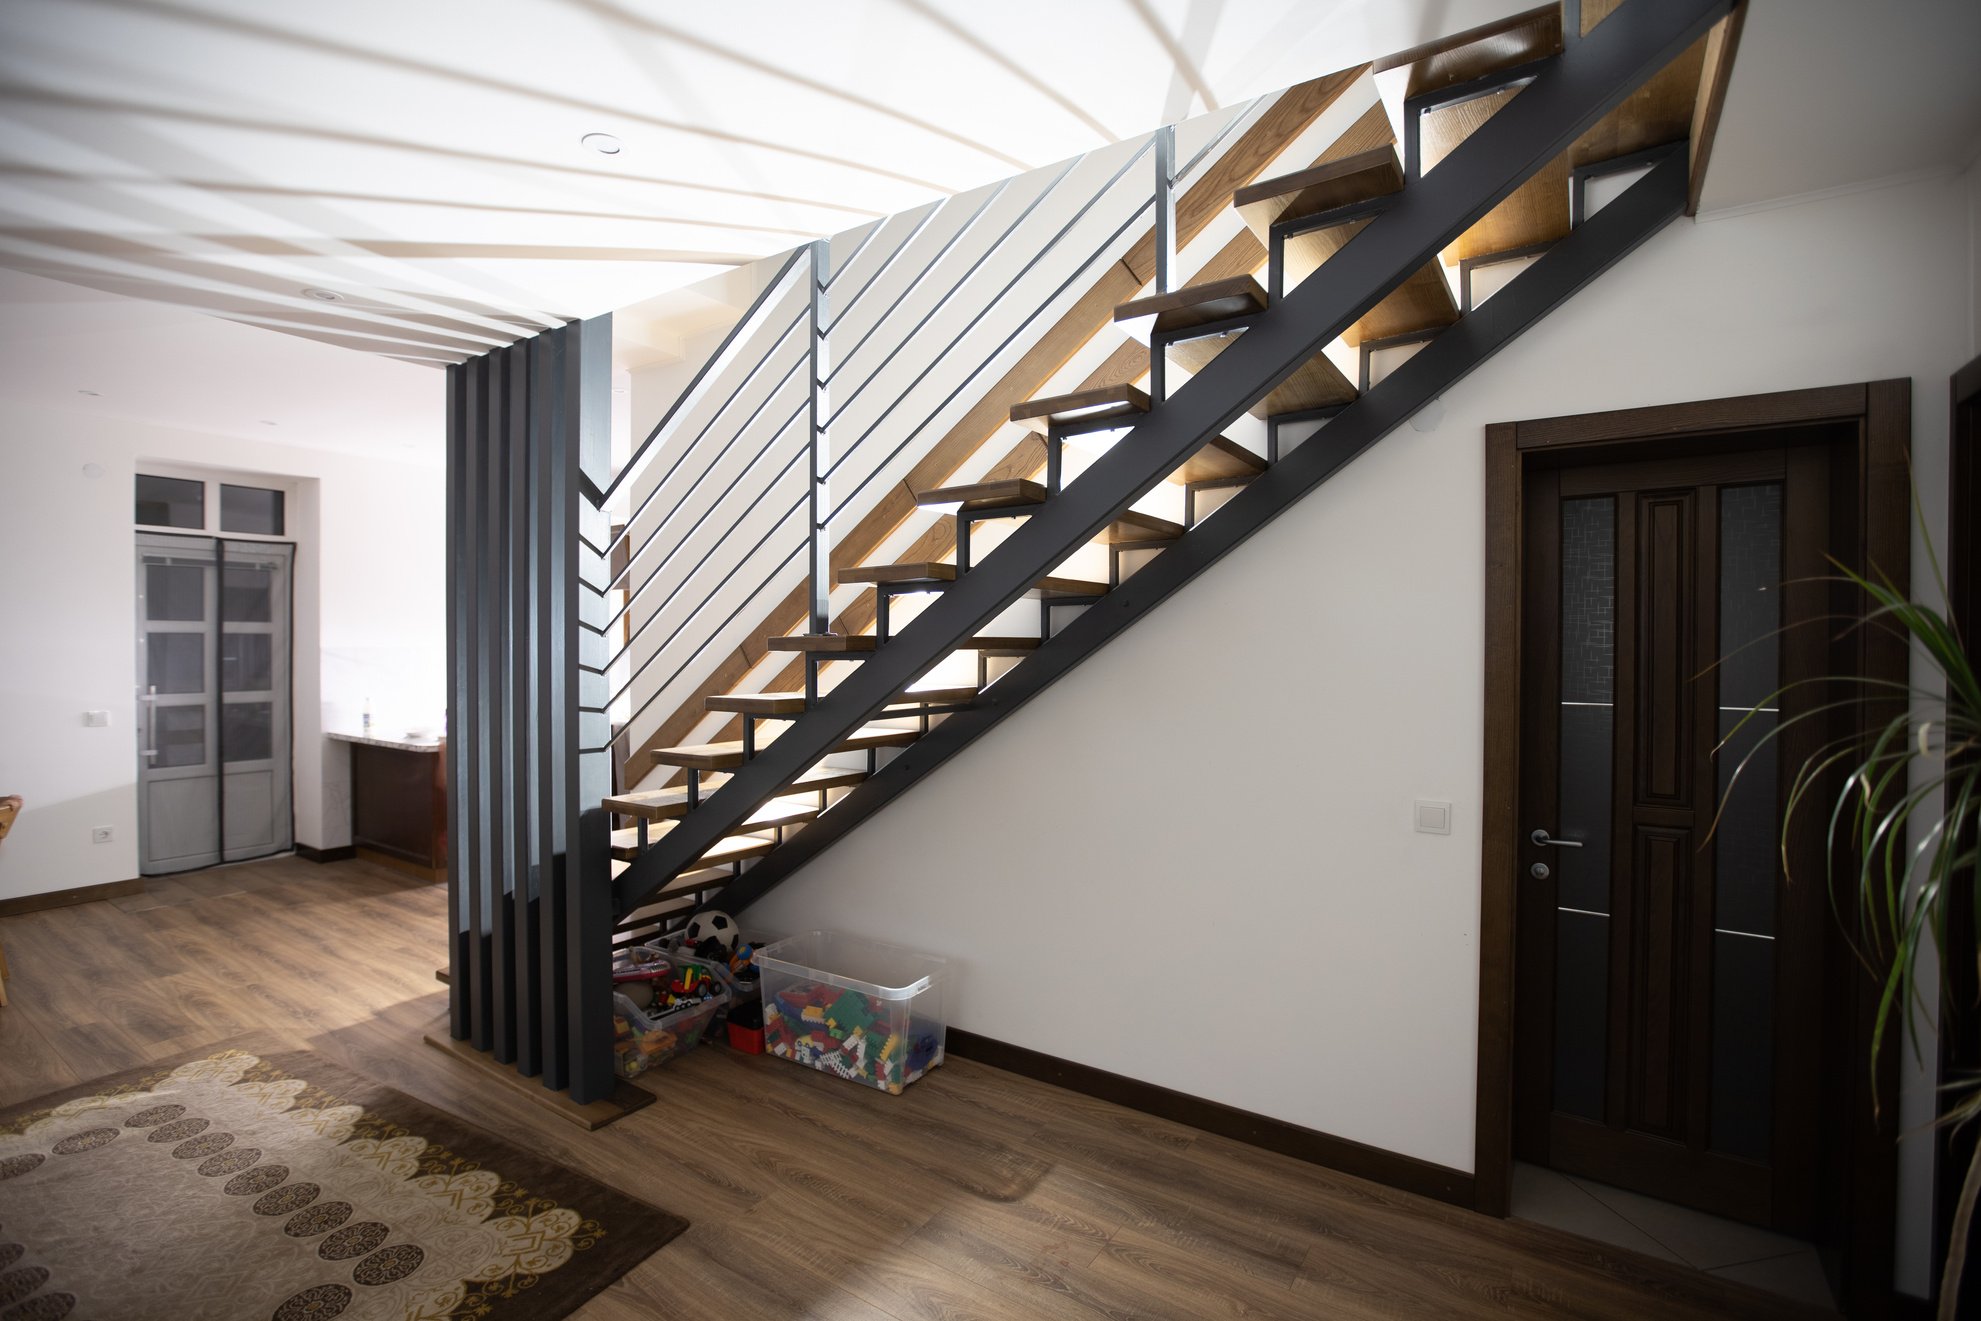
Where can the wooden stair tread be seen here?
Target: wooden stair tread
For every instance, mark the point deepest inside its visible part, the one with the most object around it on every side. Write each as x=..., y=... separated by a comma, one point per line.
x=1198, y=305
x=825, y=642
x=1132, y=525
x=1081, y=406
x=729, y=755
x=1358, y=178
x=913, y=571
x=667, y=899
x=1219, y=460
x=1317, y=384
x=1011, y=492
x=793, y=703
x=669, y=804
x=1055, y=588
x=992, y=645
x=1463, y=56
x=777, y=812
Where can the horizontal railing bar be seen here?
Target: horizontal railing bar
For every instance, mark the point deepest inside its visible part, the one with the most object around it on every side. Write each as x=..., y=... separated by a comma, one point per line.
x=729, y=340
x=1081, y=270
x=929, y=267
x=696, y=484
x=1051, y=245
x=929, y=213
x=992, y=302
x=873, y=232
x=797, y=453
x=717, y=630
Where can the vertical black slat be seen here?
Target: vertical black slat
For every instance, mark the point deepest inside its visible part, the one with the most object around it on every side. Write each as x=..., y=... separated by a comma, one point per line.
x=471, y=841
x=549, y=910
x=488, y=677
x=560, y=753
x=819, y=557
x=589, y=411
x=457, y=652
x=529, y=747
x=513, y=418
x=579, y=1030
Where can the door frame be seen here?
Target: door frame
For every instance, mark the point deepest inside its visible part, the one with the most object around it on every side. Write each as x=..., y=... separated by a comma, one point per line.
x=1881, y=411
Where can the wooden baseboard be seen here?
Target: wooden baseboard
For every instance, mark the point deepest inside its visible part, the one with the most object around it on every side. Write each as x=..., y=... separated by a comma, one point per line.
x=625, y=1098
x=379, y=859
x=342, y=853
x=34, y=903
x=1365, y=1162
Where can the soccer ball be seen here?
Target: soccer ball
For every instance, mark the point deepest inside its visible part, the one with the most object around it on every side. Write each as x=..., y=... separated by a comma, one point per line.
x=718, y=927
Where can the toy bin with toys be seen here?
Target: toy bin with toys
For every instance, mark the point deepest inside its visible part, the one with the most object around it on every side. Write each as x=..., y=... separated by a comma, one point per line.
x=662, y=1004
x=853, y=1007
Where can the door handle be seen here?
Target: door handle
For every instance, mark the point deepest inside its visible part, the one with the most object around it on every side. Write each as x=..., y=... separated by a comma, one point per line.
x=1546, y=840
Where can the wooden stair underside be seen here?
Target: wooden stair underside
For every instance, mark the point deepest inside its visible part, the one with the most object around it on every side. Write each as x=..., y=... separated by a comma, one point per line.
x=784, y=705
x=772, y=815
x=727, y=756
x=670, y=804
x=1012, y=493
x=1110, y=402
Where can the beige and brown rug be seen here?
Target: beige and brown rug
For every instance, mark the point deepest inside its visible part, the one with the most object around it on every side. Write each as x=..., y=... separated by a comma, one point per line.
x=232, y=1185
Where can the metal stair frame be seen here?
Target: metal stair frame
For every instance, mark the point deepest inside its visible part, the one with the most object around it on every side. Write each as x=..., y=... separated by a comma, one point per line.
x=1590, y=78
x=1649, y=204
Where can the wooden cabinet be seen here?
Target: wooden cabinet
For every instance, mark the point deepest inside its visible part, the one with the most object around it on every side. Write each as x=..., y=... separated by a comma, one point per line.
x=399, y=805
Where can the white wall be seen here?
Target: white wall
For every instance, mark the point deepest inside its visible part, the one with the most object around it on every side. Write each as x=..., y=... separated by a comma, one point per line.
x=369, y=622
x=1190, y=791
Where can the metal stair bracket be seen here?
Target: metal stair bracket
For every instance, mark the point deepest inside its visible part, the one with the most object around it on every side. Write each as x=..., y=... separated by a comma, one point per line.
x=1649, y=204
x=1590, y=78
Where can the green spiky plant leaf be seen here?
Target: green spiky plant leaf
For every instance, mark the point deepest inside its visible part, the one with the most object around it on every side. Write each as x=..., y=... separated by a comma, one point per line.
x=1904, y=799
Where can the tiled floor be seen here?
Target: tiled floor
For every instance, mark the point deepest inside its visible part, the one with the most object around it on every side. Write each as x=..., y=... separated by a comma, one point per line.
x=1726, y=1248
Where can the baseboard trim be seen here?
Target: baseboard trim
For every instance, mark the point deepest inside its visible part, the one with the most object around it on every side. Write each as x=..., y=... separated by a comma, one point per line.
x=34, y=903
x=342, y=853
x=1317, y=1148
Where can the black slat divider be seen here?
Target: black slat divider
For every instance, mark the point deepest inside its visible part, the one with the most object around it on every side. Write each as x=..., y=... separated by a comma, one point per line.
x=529, y=868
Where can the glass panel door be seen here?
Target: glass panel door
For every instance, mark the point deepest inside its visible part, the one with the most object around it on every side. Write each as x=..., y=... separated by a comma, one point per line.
x=178, y=768
x=214, y=763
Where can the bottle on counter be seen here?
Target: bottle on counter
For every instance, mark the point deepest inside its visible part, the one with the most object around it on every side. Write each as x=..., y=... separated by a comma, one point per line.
x=367, y=719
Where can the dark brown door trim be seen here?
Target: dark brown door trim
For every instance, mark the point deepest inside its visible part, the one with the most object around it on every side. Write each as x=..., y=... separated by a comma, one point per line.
x=1878, y=503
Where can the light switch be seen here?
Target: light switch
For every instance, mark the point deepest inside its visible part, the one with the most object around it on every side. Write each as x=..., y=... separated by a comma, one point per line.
x=1433, y=818
x=96, y=719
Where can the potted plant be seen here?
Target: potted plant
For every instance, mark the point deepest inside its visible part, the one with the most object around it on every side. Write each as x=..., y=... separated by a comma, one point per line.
x=1902, y=800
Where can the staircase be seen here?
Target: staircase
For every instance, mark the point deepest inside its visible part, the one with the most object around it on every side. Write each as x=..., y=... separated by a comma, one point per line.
x=1354, y=252
x=1503, y=129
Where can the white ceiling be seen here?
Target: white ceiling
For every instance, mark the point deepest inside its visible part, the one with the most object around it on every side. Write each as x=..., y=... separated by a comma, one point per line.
x=421, y=158
x=169, y=365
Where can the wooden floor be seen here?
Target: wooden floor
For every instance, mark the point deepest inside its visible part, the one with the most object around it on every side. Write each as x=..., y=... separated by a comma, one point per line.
x=975, y=1194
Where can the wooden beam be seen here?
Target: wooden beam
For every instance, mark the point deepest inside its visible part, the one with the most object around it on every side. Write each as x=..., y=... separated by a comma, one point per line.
x=1721, y=44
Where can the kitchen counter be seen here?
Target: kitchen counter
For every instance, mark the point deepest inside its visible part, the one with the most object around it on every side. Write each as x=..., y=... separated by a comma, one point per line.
x=399, y=803
x=406, y=744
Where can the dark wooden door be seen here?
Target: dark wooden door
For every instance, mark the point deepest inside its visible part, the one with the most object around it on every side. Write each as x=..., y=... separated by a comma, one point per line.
x=1664, y=969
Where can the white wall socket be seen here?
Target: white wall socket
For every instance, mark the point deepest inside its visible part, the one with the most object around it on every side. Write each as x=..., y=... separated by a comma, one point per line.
x=96, y=719
x=101, y=834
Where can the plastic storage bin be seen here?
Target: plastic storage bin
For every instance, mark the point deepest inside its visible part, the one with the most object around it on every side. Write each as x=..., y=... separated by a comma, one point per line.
x=853, y=1007
x=643, y=1039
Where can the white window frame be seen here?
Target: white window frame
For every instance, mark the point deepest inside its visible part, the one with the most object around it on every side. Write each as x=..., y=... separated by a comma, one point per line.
x=213, y=479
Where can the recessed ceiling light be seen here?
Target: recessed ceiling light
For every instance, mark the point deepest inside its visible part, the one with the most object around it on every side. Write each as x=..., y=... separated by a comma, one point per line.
x=94, y=394
x=323, y=295
x=265, y=422
x=603, y=143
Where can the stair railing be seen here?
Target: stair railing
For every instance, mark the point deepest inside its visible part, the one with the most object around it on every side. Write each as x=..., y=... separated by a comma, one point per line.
x=736, y=495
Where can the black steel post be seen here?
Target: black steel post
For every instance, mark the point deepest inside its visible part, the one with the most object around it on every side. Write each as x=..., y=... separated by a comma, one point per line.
x=819, y=560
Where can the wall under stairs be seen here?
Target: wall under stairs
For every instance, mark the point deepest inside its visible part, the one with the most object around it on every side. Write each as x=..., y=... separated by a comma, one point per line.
x=1234, y=776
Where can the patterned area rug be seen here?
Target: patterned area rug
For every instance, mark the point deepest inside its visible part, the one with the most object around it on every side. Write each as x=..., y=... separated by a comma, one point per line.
x=228, y=1185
